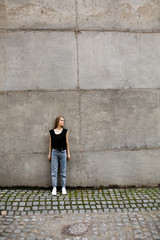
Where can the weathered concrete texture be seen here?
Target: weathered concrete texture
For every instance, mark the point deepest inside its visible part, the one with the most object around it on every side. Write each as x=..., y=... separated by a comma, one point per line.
x=39, y=60
x=141, y=15
x=2, y=60
x=26, y=119
x=103, y=78
x=119, y=60
x=21, y=168
x=38, y=14
x=2, y=14
x=127, y=15
x=122, y=168
x=48, y=60
x=101, y=124
x=120, y=119
x=74, y=169
x=33, y=169
x=113, y=124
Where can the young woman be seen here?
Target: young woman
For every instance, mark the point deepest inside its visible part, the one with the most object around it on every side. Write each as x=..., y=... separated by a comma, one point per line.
x=58, y=152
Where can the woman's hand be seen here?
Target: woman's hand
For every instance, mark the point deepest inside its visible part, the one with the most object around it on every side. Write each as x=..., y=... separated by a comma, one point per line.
x=68, y=157
x=49, y=157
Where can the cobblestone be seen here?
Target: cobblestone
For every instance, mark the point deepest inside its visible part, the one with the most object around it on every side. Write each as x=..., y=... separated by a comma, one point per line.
x=133, y=199
x=120, y=214
x=117, y=226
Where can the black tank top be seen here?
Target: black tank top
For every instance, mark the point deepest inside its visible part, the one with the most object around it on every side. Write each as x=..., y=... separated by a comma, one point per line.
x=58, y=141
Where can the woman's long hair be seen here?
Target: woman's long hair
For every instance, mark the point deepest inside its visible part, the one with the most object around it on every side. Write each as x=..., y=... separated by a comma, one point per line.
x=57, y=121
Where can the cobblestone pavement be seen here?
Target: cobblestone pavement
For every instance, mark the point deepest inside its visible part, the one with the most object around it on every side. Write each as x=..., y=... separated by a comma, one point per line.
x=83, y=226
x=28, y=202
x=114, y=214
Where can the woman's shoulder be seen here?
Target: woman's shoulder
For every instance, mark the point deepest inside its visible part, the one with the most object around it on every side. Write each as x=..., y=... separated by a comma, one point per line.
x=65, y=130
x=51, y=130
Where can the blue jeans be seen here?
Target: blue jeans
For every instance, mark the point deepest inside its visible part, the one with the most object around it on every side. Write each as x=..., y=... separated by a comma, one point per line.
x=60, y=156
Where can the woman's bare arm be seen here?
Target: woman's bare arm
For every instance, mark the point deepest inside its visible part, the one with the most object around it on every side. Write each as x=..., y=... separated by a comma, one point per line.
x=67, y=142
x=50, y=148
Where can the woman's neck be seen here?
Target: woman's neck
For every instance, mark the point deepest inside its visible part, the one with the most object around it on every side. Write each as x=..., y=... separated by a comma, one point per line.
x=59, y=128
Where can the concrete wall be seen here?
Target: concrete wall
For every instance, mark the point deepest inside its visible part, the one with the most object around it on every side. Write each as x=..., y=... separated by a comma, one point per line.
x=97, y=62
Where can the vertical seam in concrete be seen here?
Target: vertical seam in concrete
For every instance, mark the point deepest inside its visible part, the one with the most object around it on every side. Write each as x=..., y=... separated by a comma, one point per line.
x=12, y=181
x=77, y=53
x=4, y=49
x=78, y=87
x=6, y=2
x=80, y=142
x=76, y=24
x=5, y=61
x=9, y=165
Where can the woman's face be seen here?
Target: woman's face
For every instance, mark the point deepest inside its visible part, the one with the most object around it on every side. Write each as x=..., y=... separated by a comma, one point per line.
x=61, y=122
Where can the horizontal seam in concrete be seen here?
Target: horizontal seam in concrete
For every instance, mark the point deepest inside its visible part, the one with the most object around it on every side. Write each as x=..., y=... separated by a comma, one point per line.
x=76, y=30
x=90, y=150
x=77, y=90
x=30, y=153
x=122, y=149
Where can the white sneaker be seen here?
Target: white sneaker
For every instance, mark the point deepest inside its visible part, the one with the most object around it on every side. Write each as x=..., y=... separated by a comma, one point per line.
x=54, y=191
x=64, y=190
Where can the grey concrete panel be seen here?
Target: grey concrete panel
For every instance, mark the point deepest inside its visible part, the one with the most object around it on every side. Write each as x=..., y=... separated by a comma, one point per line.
x=4, y=147
x=6, y=170
x=119, y=60
x=33, y=169
x=41, y=60
x=124, y=15
x=74, y=170
x=2, y=60
x=27, y=169
x=39, y=14
x=120, y=119
x=121, y=168
x=27, y=117
x=2, y=14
